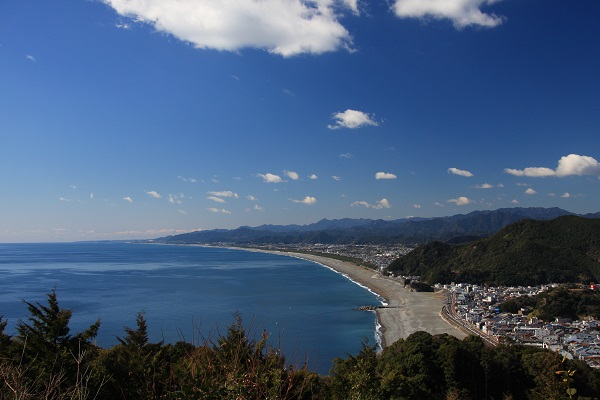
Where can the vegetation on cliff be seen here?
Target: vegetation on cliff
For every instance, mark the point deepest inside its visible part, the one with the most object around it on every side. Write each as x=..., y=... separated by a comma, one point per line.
x=44, y=360
x=528, y=252
x=565, y=302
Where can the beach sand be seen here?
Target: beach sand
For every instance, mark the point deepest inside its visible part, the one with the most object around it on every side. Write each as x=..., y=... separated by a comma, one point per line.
x=406, y=312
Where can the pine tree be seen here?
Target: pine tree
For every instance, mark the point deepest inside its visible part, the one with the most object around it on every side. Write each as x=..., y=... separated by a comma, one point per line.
x=46, y=345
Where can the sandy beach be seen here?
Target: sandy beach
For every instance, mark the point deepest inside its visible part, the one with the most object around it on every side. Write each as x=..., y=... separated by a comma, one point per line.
x=406, y=312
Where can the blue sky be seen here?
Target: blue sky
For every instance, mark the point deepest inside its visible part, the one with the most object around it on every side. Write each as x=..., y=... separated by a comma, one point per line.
x=135, y=119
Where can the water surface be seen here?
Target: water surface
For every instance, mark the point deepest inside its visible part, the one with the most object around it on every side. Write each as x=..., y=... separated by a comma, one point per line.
x=191, y=293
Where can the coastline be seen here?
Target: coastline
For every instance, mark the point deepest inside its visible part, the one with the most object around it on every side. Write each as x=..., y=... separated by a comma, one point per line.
x=403, y=313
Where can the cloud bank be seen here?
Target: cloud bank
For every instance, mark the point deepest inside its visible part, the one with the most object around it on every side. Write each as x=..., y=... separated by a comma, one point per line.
x=462, y=13
x=284, y=27
x=573, y=164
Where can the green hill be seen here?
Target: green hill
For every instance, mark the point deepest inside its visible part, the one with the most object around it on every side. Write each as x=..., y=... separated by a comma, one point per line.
x=527, y=252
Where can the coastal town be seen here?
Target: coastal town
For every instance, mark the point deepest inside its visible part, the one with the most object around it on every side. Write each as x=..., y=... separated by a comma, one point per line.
x=377, y=256
x=475, y=309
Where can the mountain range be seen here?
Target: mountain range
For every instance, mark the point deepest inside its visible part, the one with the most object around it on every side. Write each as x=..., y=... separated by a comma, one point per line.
x=454, y=229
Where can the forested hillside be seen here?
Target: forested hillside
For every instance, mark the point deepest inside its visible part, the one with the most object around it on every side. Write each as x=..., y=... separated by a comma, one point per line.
x=528, y=252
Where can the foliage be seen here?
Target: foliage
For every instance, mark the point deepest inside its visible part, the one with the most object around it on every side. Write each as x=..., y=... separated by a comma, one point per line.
x=45, y=349
x=356, y=377
x=421, y=287
x=561, y=302
x=528, y=252
x=239, y=366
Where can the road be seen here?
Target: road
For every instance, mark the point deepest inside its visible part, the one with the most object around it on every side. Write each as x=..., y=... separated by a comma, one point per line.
x=449, y=311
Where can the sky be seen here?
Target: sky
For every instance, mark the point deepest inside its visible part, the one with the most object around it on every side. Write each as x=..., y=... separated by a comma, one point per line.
x=126, y=119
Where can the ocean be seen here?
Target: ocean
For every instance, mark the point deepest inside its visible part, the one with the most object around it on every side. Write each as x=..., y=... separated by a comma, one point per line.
x=191, y=293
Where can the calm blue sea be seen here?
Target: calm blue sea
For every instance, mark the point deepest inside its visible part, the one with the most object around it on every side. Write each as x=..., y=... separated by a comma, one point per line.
x=191, y=293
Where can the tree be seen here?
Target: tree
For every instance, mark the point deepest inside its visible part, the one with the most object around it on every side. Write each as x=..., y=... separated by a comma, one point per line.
x=356, y=377
x=46, y=346
x=136, y=367
x=4, y=338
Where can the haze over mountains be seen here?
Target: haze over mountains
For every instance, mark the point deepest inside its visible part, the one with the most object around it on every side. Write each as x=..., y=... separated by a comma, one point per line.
x=455, y=229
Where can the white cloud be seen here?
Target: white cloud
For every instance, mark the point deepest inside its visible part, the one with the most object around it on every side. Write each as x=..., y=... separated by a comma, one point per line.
x=336, y=178
x=345, y=155
x=270, y=178
x=530, y=191
x=462, y=13
x=64, y=199
x=533, y=172
x=191, y=180
x=351, y=119
x=416, y=206
x=573, y=164
x=176, y=198
x=284, y=27
x=483, y=186
x=460, y=172
x=461, y=201
x=515, y=201
x=313, y=177
x=123, y=26
x=154, y=194
x=219, y=210
x=128, y=199
x=308, y=200
x=216, y=199
x=225, y=193
x=352, y=5
x=566, y=195
x=92, y=196
x=30, y=57
x=383, y=203
x=258, y=208
x=251, y=198
x=182, y=212
x=384, y=175
x=292, y=175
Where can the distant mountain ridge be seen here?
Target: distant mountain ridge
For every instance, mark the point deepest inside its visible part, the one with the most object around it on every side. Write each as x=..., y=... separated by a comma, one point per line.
x=367, y=231
x=527, y=252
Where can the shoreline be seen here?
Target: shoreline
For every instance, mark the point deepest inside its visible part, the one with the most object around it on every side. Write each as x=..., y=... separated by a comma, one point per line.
x=403, y=312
